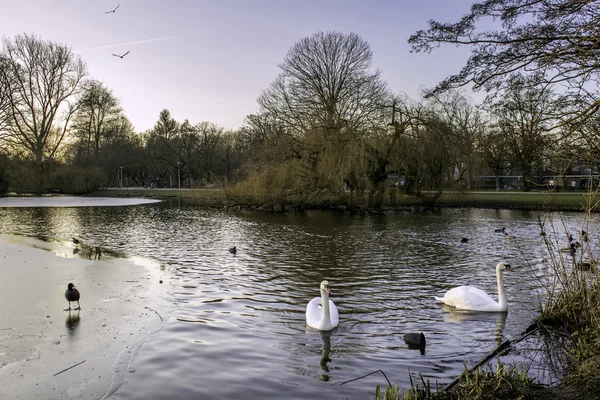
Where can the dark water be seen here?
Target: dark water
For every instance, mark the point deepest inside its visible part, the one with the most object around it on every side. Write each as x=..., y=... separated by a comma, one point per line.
x=237, y=328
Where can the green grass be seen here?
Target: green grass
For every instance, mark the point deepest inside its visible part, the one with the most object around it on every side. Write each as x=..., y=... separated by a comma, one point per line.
x=576, y=201
x=572, y=201
x=505, y=382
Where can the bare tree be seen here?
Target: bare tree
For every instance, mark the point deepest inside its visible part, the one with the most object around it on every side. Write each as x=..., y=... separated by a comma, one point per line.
x=424, y=158
x=98, y=113
x=525, y=117
x=4, y=97
x=554, y=41
x=325, y=101
x=494, y=151
x=44, y=78
x=326, y=82
x=467, y=126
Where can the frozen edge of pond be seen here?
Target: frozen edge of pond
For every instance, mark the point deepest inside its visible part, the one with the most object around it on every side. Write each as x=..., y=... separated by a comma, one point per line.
x=72, y=201
x=34, y=337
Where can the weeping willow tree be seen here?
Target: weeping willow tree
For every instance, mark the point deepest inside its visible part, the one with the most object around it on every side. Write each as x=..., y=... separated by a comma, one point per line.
x=325, y=104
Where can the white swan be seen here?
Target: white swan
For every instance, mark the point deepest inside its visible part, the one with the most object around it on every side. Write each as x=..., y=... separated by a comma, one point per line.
x=473, y=299
x=321, y=313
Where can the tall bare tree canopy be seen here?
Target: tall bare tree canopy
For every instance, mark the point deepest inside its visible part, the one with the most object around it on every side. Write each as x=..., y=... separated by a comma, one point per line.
x=98, y=115
x=524, y=117
x=43, y=79
x=326, y=81
x=555, y=41
x=4, y=99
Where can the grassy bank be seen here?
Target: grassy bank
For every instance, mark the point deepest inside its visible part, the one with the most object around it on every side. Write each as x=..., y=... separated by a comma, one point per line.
x=572, y=310
x=572, y=201
x=569, y=318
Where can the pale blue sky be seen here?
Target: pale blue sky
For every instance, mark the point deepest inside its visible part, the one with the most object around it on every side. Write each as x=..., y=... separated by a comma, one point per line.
x=208, y=60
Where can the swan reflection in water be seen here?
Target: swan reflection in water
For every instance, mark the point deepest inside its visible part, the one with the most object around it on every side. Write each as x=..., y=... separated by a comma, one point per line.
x=457, y=316
x=325, y=350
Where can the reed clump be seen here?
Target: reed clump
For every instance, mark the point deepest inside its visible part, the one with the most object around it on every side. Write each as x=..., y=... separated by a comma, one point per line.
x=571, y=309
x=505, y=382
x=573, y=302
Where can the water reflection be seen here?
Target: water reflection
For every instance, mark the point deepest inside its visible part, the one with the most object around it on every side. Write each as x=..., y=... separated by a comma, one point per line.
x=386, y=271
x=325, y=349
x=72, y=322
x=497, y=320
x=416, y=341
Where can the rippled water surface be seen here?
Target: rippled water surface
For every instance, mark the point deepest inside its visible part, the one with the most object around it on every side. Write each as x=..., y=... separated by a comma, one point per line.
x=237, y=328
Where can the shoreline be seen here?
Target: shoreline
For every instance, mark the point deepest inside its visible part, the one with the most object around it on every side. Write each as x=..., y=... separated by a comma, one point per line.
x=220, y=198
x=48, y=353
x=509, y=199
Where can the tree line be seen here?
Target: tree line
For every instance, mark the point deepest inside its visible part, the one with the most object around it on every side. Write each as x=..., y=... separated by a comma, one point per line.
x=329, y=130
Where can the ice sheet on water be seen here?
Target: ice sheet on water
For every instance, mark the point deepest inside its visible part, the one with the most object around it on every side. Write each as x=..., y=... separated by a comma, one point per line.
x=72, y=201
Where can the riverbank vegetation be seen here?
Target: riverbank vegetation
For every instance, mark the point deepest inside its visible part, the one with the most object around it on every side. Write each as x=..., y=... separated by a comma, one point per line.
x=541, y=43
x=393, y=200
x=328, y=130
x=569, y=319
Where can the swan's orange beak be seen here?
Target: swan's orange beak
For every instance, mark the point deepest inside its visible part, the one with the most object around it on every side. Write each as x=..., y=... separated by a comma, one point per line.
x=509, y=268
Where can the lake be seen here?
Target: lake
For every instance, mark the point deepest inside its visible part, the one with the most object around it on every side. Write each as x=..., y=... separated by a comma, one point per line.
x=237, y=326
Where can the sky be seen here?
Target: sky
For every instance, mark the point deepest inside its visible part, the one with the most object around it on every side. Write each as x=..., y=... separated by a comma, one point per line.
x=209, y=60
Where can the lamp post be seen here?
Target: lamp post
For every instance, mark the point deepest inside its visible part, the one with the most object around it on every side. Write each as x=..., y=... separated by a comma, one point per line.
x=178, y=175
x=121, y=176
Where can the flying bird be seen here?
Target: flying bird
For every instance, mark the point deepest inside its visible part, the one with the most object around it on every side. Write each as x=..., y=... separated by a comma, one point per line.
x=112, y=11
x=120, y=56
x=72, y=294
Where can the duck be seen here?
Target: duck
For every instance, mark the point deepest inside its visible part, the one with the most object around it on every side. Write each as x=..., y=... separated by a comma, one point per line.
x=499, y=230
x=233, y=250
x=507, y=236
x=473, y=299
x=321, y=312
x=415, y=339
x=587, y=265
x=571, y=249
x=72, y=294
x=584, y=236
x=464, y=240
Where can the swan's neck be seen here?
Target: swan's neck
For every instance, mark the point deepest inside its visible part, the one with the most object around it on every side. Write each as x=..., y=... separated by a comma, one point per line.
x=501, y=297
x=325, y=318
